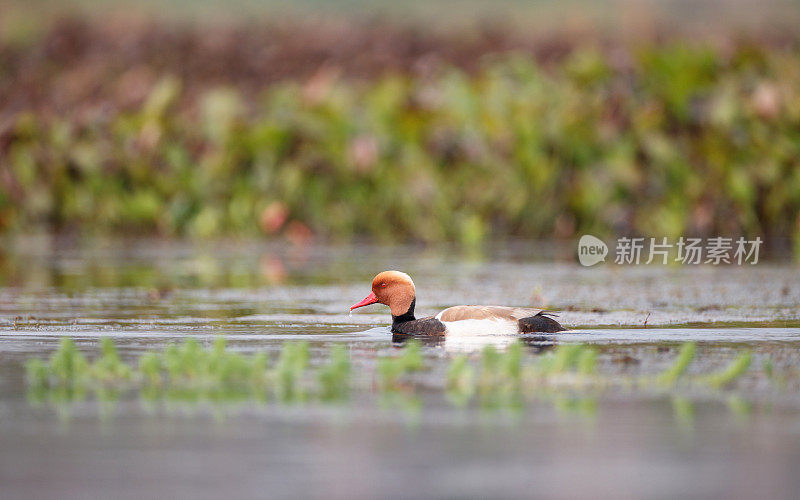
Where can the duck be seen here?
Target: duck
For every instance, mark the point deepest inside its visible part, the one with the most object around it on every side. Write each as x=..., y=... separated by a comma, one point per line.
x=396, y=290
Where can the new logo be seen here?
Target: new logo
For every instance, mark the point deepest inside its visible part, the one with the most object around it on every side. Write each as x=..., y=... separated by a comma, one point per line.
x=591, y=250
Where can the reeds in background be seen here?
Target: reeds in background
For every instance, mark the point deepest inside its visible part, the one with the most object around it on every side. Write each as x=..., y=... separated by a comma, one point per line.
x=444, y=141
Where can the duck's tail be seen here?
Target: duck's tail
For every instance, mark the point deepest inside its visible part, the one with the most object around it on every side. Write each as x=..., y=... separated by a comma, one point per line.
x=540, y=323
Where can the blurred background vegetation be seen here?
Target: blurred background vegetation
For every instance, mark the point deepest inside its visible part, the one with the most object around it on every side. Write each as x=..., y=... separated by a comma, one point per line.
x=430, y=121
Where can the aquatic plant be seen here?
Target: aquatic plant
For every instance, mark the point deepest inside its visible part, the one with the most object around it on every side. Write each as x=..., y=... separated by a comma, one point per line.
x=411, y=359
x=288, y=371
x=587, y=361
x=500, y=378
x=37, y=373
x=292, y=363
x=769, y=368
x=585, y=406
x=489, y=378
x=730, y=373
x=294, y=357
x=566, y=357
x=151, y=368
x=189, y=372
x=258, y=367
x=390, y=369
x=109, y=365
x=739, y=407
x=460, y=382
x=334, y=377
x=512, y=361
x=683, y=410
x=68, y=365
x=681, y=363
x=186, y=367
x=173, y=361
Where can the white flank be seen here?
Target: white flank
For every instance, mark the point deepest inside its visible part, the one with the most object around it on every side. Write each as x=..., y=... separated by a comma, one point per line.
x=479, y=327
x=471, y=335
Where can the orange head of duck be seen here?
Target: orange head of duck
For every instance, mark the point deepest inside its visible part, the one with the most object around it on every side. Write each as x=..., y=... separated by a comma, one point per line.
x=392, y=288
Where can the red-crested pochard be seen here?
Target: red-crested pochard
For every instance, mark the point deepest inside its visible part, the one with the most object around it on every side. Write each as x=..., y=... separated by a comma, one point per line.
x=396, y=290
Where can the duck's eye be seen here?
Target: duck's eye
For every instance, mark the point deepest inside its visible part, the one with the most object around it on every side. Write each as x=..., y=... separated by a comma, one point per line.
x=383, y=285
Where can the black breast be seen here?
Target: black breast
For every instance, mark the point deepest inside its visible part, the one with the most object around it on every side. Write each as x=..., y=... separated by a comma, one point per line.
x=427, y=327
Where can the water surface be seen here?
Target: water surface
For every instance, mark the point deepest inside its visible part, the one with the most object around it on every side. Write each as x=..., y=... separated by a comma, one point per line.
x=636, y=442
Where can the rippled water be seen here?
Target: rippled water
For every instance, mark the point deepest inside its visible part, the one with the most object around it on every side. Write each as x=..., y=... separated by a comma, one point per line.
x=742, y=442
